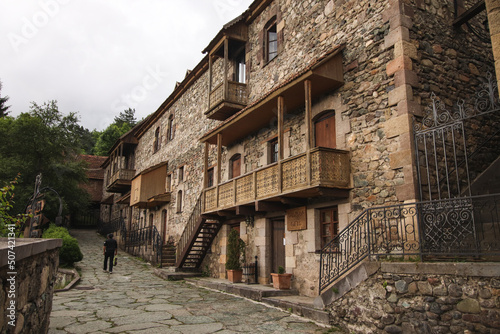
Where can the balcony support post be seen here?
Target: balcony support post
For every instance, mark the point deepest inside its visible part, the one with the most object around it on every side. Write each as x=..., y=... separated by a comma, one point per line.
x=226, y=64
x=219, y=169
x=281, y=108
x=308, y=120
x=205, y=167
x=209, y=79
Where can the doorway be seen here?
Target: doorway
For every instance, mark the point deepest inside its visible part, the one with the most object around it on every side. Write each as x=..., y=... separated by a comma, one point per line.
x=277, y=244
x=324, y=129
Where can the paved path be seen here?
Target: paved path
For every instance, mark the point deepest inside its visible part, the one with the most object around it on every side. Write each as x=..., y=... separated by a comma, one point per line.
x=133, y=300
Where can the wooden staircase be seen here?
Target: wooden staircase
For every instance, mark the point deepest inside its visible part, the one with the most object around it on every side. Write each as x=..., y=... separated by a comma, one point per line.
x=196, y=239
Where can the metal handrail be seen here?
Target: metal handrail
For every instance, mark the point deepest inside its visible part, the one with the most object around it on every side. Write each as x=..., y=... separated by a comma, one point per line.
x=449, y=228
x=147, y=236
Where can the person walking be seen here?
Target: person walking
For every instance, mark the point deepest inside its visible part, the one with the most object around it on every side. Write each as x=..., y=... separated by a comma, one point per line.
x=110, y=250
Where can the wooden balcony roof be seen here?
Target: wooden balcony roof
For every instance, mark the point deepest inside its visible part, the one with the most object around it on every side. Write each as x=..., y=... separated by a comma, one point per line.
x=325, y=73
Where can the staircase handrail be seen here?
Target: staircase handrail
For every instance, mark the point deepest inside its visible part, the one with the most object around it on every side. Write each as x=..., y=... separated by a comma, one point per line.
x=190, y=227
x=145, y=236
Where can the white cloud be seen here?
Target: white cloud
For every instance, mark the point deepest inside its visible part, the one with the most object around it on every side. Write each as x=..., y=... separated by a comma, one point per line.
x=89, y=54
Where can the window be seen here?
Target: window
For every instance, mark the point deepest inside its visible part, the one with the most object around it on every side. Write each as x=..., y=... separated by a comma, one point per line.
x=156, y=144
x=179, y=201
x=210, y=177
x=271, y=46
x=273, y=150
x=169, y=182
x=329, y=224
x=240, y=68
x=170, y=129
x=235, y=166
x=181, y=173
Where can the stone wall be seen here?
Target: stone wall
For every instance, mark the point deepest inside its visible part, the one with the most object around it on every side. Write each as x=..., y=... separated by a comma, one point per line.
x=28, y=287
x=423, y=298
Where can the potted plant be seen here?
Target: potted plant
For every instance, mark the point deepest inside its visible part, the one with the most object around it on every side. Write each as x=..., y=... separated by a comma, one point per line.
x=234, y=250
x=281, y=280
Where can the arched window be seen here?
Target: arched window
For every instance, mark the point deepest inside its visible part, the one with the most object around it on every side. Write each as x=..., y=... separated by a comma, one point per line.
x=324, y=129
x=170, y=130
x=235, y=166
x=179, y=201
x=156, y=144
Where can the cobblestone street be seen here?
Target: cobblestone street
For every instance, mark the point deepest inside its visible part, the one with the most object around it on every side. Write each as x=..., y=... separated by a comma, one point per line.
x=133, y=300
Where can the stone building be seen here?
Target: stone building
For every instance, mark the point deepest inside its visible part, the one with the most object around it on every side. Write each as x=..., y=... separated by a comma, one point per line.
x=300, y=119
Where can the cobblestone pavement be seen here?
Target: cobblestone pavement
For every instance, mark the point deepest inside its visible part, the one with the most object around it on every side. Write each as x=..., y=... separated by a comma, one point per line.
x=133, y=300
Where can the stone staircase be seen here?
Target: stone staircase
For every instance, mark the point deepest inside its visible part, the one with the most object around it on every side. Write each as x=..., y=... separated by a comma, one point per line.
x=168, y=255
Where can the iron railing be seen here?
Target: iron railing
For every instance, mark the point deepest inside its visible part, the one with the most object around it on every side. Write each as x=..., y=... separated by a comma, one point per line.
x=147, y=237
x=190, y=227
x=445, y=229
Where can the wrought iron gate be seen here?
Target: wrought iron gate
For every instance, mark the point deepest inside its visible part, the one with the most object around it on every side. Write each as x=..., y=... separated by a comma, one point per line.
x=453, y=147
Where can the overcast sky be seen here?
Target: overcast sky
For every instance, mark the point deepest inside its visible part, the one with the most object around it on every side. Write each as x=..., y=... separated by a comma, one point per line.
x=100, y=57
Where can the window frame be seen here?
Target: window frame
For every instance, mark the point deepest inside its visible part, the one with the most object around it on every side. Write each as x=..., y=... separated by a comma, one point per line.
x=273, y=149
x=333, y=224
x=170, y=128
x=156, y=143
x=271, y=28
x=179, y=201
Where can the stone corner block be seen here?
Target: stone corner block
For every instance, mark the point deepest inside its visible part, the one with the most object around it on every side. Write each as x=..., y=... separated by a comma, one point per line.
x=399, y=34
x=396, y=126
x=400, y=63
x=400, y=93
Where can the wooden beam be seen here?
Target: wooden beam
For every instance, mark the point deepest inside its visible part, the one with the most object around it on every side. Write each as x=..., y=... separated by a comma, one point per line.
x=470, y=13
x=334, y=192
x=242, y=210
x=226, y=213
x=281, y=107
x=219, y=157
x=205, y=161
x=266, y=206
x=226, y=65
x=308, y=120
x=293, y=201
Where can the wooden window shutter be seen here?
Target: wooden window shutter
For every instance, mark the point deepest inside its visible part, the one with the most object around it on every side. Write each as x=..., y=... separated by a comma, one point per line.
x=262, y=46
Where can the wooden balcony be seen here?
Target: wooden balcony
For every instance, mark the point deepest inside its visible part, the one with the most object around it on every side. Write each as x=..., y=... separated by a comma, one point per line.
x=120, y=181
x=225, y=102
x=326, y=174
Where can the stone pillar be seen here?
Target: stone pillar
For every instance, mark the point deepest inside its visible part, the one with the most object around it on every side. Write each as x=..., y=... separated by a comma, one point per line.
x=493, y=11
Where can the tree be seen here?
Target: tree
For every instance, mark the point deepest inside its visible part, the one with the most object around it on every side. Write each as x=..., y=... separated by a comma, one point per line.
x=10, y=225
x=127, y=116
x=44, y=141
x=3, y=106
x=121, y=125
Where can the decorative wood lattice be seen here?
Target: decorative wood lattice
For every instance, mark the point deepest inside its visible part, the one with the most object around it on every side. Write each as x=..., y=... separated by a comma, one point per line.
x=226, y=194
x=330, y=167
x=267, y=182
x=245, y=191
x=211, y=199
x=216, y=96
x=294, y=172
x=237, y=93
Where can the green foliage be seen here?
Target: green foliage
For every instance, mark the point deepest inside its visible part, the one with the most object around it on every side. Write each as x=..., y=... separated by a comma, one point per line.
x=234, y=249
x=335, y=290
x=281, y=270
x=8, y=223
x=48, y=142
x=70, y=250
x=121, y=125
x=3, y=104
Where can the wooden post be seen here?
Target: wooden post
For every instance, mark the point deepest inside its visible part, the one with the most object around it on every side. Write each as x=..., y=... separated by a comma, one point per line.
x=209, y=78
x=205, y=170
x=219, y=157
x=308, y=120
x=219, y=169
x=281, y=107
x=226, y=64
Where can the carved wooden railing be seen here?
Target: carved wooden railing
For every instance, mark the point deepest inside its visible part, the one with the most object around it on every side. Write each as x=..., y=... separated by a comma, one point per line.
x=121, y=174
x=327, y=167
x=237, y=93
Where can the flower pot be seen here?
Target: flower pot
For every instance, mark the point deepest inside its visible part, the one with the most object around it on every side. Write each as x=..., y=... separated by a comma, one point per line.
x=282, y=281
x=234, y=276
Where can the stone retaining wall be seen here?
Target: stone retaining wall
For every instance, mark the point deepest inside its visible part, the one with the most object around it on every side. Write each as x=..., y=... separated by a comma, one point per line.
x=423, y=298
x=28, y=287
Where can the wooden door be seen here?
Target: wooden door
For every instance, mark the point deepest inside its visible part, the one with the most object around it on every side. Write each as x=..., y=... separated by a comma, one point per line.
x=236, y=166
x=325, y=131
x=278, y=244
